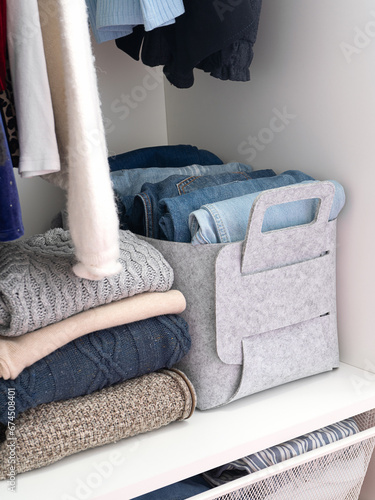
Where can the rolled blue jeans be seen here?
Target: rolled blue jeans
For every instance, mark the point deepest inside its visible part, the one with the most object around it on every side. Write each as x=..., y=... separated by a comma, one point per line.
x=145, y=213
x=174, y=222
x=127, y=183
x=226, y=221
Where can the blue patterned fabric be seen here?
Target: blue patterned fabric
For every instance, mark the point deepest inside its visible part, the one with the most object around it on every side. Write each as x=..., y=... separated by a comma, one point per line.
x=98, y=360
x=11, y=226
x=279, y=453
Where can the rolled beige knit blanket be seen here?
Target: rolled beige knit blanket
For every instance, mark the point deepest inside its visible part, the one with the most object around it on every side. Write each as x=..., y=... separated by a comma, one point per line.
x=17, y=353
x=52, y=431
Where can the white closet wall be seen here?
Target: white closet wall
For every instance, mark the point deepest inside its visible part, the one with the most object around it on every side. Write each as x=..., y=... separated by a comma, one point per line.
x=40, y=202
x=133, y=101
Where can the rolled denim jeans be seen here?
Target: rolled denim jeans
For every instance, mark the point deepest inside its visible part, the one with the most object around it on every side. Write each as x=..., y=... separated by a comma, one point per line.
x=145, y=213
x=174, y=222
x=163, y=156
x=127, y=183
x=226, y=221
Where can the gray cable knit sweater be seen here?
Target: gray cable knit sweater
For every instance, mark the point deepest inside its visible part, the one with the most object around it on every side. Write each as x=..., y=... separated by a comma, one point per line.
x=38, y=286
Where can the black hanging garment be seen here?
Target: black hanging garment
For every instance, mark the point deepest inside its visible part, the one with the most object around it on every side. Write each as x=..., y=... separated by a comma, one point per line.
x=215, y=36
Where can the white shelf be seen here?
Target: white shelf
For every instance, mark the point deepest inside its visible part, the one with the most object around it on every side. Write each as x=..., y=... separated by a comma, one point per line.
x=208, y=439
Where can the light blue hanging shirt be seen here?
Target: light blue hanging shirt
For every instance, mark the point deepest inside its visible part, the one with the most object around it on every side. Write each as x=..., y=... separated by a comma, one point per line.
x=111, y=19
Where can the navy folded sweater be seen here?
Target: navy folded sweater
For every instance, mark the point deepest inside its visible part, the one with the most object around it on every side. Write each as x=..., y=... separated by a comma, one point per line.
x=98, y=360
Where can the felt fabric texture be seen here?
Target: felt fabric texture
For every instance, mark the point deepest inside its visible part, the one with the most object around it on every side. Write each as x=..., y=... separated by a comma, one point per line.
x=84, y=173
x=20, y=352
x=99, y=359
x=210, y=276
x=50, y=432
x=38, y=145
x=38, y=286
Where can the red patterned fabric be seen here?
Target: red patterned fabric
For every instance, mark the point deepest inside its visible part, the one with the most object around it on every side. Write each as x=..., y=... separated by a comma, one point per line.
x=3, y=41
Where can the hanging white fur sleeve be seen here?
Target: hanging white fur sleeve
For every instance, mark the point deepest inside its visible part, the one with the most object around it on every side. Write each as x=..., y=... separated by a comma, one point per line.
x=92, y=215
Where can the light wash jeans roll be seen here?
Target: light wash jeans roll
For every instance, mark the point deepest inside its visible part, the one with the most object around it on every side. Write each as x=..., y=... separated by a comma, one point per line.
x=174, y=222
x=226, y=221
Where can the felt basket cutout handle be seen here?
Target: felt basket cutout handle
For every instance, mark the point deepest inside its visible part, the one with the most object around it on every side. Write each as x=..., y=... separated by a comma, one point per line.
x=261, y=250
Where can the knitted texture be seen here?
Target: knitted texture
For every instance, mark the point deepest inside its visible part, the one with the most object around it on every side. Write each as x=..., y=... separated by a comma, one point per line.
x=38, y=286
x=56, y=430
x=98, y=360
x=16, y=353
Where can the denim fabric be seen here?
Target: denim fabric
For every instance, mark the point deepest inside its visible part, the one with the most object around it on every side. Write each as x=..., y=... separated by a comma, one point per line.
x=163, y=156
x=127, y=183
x=145, y=214
x=99, y=359
x=226, y=221
x=174, y=222
x=11, y=225
x=178, y=491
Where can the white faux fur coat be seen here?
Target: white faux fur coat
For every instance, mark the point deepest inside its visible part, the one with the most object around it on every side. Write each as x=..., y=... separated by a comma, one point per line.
x=84, y=172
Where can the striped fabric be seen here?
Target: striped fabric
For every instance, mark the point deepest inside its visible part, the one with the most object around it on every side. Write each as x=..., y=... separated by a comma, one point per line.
x=111, y=19
x=279, y=453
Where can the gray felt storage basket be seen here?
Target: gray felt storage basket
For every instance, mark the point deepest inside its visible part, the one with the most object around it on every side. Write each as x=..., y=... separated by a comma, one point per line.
x=261, y=312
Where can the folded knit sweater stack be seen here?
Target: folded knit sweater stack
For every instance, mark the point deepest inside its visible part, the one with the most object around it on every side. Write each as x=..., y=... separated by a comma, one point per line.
x=67, y=343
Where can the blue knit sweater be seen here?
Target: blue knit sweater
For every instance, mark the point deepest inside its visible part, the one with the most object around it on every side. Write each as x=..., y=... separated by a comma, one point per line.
x=98, y=360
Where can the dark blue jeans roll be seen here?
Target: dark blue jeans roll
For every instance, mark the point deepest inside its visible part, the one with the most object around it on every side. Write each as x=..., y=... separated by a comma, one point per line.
x=163, y=156
x=98, y=360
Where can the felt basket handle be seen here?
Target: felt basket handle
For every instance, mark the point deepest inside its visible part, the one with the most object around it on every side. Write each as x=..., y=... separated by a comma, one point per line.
x=272, y=249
